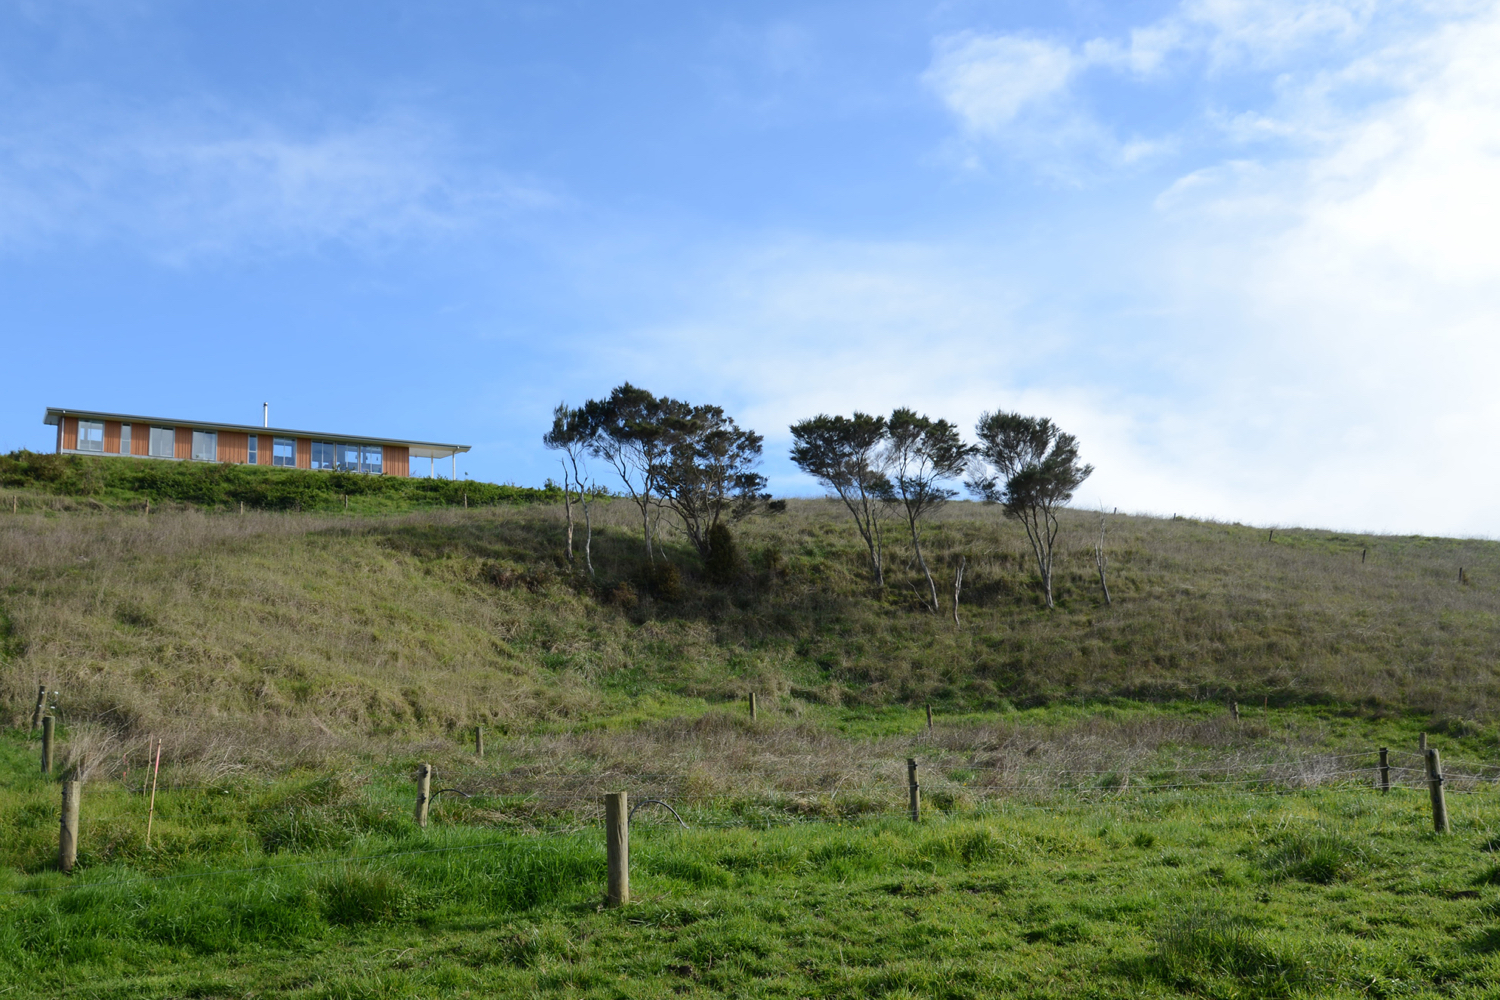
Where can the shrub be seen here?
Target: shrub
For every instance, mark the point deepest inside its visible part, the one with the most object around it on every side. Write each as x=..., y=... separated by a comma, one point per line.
x=723, y=557
x=664, y=581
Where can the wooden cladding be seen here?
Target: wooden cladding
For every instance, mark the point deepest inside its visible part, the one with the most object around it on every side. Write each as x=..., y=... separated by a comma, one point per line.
x=234, y=447
x=228, y=447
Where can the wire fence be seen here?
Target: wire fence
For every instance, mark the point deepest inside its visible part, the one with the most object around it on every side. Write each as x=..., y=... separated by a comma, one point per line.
x=561, y=801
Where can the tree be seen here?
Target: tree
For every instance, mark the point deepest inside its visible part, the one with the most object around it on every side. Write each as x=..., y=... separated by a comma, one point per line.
x=845, y=454
x=1028, y=465
x=920, y=454
x=710, y=472
x=572, y=434
x=629, y=430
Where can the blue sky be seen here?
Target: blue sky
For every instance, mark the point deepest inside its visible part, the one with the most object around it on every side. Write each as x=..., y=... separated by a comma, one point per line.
x=1244, y=250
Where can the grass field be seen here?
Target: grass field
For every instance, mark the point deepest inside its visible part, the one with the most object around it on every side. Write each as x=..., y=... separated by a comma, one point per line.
x=1096, y=822
x=1334, y=891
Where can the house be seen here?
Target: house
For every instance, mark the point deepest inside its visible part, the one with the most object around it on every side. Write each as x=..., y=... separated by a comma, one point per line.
x=87, y=432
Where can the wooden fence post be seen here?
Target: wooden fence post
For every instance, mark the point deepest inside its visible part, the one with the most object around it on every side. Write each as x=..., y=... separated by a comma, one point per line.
x=479, y=741
x=1435, y=786
x=1234, y=707
x=46, y=744
x=1385, y=769
x=67, y=837
x=617, y=848
x=929, y=718
x=424, y=792
x=1422, y=743
x=752, y=706
x=41, y=703
x=914, y=791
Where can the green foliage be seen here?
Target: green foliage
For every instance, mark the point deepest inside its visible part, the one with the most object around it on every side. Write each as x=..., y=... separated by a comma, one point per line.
x=663, y=581
x=723, y=560
x=123, y=481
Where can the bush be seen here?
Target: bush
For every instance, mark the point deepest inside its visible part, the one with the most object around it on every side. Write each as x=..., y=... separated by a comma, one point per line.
x=209, y=484
x=664, y=581
x=723, y=557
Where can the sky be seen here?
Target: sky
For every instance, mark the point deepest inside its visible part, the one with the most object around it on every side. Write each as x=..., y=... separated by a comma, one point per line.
x=1244, y=250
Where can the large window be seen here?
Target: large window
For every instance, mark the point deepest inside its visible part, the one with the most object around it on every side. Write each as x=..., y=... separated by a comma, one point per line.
x=323, y=456
x=348, y=457
x=284, y=451
x=124, y=439
x=252, y=449
x=90, y=435
x=205, y=446
x=371, y=462
x=163, y=442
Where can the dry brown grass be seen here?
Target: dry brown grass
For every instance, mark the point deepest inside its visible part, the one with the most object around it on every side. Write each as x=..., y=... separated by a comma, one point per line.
x=292, y=637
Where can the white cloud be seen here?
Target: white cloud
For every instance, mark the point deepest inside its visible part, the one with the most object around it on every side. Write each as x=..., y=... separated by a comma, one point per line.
x=1310, y=338
x=989, y=80
x=192, y=181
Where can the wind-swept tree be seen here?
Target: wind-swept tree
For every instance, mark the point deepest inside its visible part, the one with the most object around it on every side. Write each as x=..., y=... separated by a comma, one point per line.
x=573, y=435
x=1028, y=465
x=630, y=431
x=710, y=473
x=921, y=454
x=846, y=455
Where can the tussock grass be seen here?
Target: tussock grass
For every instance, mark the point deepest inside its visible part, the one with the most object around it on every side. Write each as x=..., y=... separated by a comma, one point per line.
x=244, y=639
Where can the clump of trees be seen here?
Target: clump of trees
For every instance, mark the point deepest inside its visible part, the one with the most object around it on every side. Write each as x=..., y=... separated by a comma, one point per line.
x=695, y=464
x=672, y=457
x=905, y=463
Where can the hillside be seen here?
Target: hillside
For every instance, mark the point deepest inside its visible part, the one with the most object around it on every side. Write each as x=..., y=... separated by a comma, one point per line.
x=425, y=623
x=78, y=482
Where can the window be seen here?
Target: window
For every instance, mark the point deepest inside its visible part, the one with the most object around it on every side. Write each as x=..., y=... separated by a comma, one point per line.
x=124, y=439
x=163, y=442
x=348, y=457
x=323, y=455
x=90, y=435
x=252, y=449
x=284, y=452
x=205, y=446
x=372, y=459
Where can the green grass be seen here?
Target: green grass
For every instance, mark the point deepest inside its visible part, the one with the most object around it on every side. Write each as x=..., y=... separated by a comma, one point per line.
x=297, y=666
x=429, y=622
x=61, y=482
x=1334, y=892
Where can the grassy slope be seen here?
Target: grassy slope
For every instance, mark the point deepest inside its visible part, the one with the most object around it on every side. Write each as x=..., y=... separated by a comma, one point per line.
x=1327, y=893
x=300, y=664
x=76, y=482
x=430, y=622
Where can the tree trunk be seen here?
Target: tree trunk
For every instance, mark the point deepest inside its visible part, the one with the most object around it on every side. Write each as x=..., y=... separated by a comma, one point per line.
x=1100, y=559
x=958, y=586
x=646, y=526
x=922, y=561
x=1036, y=535
x=567, y=506
x=588, y=536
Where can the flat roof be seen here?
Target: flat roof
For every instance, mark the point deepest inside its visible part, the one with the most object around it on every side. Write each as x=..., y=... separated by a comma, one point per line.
x=418, y=449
